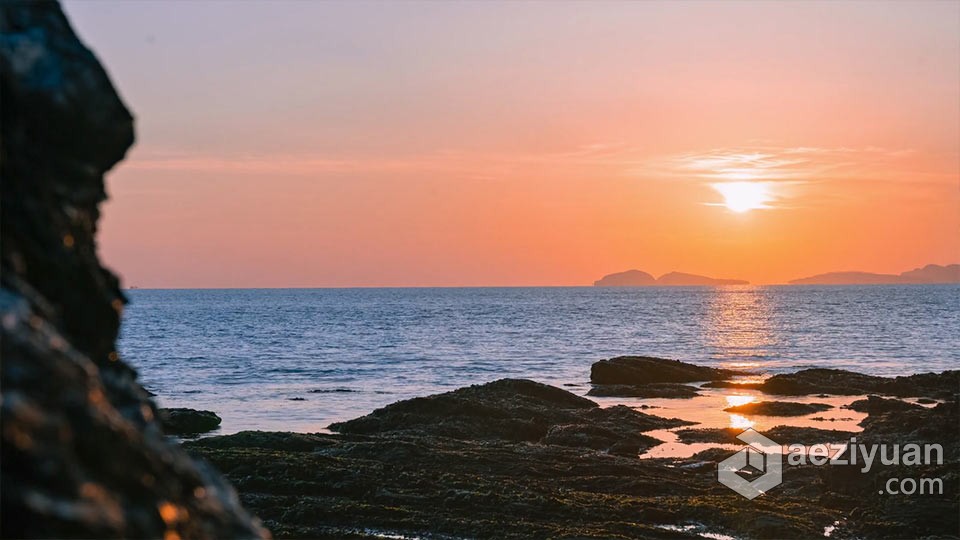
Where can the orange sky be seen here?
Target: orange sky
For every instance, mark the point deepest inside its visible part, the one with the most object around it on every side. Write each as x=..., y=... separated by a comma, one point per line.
x=366, y=144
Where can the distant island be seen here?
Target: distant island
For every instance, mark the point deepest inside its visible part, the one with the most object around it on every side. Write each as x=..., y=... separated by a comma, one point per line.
x=929, y=274
x=638, y=278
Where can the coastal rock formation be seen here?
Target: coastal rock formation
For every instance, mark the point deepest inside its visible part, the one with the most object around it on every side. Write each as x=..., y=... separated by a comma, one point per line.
x=397, y=475
x=82, y=452
x=929, y=274
x=848, y=383
x=877, y=405
x=638, y=370
x=637, y=278
x=513, y=410
x=646, y=391
x=180, y=421
x=778, y=408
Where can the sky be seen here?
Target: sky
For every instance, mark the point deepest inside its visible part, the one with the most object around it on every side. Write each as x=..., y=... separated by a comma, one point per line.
x=325, y=144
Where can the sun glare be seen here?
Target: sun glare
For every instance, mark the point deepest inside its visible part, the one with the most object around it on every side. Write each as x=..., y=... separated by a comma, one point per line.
x=744, y=196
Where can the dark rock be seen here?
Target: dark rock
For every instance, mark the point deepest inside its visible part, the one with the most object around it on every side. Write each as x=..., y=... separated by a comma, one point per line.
x=180, y=421
x=655, y=390
x=405, y=478
x=807, y=435
x=82, y=452
x=634, y=370
x=779, y=408
x=441, y=487
x=926, y=401
x=877, y=404
x=782, y=434
x=730, y=384
x=847, y=383
x=511, y=410
x=710, y=435
x=817, y=381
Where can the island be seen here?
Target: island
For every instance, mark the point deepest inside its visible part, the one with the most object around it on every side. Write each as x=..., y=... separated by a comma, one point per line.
x=638, y=278
x=929, y=274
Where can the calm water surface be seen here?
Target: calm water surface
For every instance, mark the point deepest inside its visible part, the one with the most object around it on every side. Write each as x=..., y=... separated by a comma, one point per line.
x=299, y=359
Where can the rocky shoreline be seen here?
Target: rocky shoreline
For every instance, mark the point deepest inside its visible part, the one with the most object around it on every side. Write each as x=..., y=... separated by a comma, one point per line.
x=518, y=459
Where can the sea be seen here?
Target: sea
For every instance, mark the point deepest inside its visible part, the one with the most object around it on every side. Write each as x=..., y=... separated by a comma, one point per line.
x=300, y=359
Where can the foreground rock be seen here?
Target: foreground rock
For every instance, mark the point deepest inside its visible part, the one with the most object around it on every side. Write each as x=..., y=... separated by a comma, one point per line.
x=514, y=410
x=82, y=452
x=404, y=470
x=179, y=421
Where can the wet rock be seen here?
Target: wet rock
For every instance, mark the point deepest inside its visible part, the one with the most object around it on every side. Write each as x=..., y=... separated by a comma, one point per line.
x=441, y=487
x=807, y=435
x=933, y=514
x=655, y=390
x=581, y=479
x=83, y=454
x=877, y=404
x=730, y=384
x=710, y=435
x=817, y=381
x=782, y=434
x=847, y=383
x=778, y=408
x=637, y=370
x=179, y=421
x=511, y=410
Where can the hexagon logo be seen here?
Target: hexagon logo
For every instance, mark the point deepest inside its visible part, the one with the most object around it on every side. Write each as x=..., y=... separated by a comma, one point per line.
x=762, y=457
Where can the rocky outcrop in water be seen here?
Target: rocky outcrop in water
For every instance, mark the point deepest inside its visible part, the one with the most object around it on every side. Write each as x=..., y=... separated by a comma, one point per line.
x=182, y=421
x=841, y=382
x=649, y=369
x=514, y=410
x=778, y=408
x=83, y=454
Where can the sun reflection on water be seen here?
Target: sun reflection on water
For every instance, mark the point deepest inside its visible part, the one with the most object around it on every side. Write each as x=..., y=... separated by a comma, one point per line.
x=740, y=422
x=737, y=400
x=740, y=327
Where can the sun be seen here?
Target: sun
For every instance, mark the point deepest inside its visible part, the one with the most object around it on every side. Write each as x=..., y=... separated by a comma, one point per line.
x=744, y=196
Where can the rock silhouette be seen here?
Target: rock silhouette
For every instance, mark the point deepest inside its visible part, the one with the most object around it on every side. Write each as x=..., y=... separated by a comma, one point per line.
x=83, y=454
x=929, y=274
x=637, y=278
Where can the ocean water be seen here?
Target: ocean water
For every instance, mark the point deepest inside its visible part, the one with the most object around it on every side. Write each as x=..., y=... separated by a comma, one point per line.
x=299, y=359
